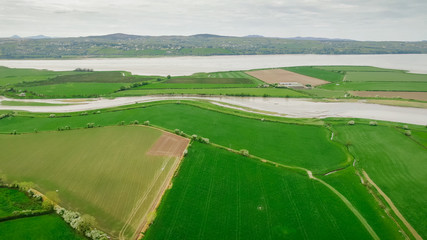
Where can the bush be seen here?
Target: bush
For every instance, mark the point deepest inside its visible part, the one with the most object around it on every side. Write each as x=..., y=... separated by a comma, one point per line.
x=83, y=114
x=13, y=132
x=244, y=152
x=194, y=137
x=52, y=115
x=204, y=140
x=405, y=127
x=351, y=122
x=122, y=123
x=84, y=224
x=147, y=123
x=373, y=123
x=135, y=122
x=90, y=125
x=408, y=133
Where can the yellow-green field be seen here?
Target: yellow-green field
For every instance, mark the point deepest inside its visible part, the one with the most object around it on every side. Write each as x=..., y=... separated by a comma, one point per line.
x=103, y=172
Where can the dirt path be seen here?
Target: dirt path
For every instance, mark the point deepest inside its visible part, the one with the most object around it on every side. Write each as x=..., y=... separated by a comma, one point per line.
x=352, y=208
x=393, y=207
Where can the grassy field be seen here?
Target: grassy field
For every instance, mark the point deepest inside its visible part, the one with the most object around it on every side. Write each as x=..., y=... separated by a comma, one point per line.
x=260, y=92
x=13, y=200
x=209, y=80
x=19, y=75
x=284, y=143
x=228, y=74
x=103, y=172
x=67, y=90
x=385, y=77
x=21, y=103
x=331, y=76
x=379, y=86
x=221, y=195
x=396, y=164
x=365, y=78
x=356, y=69
x=192, y=85
x=46, y=227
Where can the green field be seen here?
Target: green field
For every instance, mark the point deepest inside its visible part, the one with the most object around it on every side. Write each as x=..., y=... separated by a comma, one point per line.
x=331, y=76
x=385, y=77
x=364, y=78
x=221, y=195
x=259, y=92
x=19, y=75
x=46, y=227
x=103, y=172
x=21, y=103
x=74, y=89
x=192, y=85
x=396, y=164
x=379, y=86
x=209, y=80
x=284, y=143
x=13, y=200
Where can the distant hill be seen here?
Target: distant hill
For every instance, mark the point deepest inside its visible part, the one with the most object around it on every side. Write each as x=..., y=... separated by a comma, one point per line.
x=126, y=45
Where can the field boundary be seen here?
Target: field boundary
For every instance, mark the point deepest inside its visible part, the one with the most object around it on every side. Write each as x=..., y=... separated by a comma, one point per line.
x=393, y=207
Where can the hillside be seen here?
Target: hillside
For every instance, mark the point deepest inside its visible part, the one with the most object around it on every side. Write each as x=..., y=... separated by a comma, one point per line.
x=123, y=45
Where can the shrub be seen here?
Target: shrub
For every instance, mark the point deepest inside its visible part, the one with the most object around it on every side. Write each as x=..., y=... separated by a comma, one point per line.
x=203, y=140
x=90, y=125
x=122, y=123
x=13, y=132
x=408, y=133
x=351, y=122
x=373, y=123
x=244, y=152
x=83, y=114
x=35, y=130
x=52, y=115
x=147, y=123
x=405, y=127
x=177, y=131
x=194, y=137
x=135, y=122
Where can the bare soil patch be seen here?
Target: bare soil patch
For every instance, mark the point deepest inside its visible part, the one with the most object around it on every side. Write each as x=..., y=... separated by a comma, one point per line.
x=169, y=145
x=279, y=75
x=421, y=96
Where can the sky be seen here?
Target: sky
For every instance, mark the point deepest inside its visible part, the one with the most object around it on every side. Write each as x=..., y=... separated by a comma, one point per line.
x=377, y=20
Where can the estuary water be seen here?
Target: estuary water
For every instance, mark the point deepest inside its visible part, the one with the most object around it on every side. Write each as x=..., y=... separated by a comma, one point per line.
x=416, y=63
x=290, y=107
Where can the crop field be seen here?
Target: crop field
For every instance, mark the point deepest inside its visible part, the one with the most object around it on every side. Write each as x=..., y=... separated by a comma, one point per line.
x=421, y=96
x=22, y=103
x=396, y=163
x=19, y=75
x=74, y=89
x=362, y=78
x=46, y=227
x=221, y=195
x=385, y=77
x=210, y=80
x=284, y=143
x=104, y=172
x=330, y=76
x=193, y=86
x=279, y=75
x=244, y=92
x=379, y=86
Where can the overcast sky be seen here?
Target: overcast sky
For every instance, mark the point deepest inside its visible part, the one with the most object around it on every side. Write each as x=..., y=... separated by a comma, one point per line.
x=358, y=19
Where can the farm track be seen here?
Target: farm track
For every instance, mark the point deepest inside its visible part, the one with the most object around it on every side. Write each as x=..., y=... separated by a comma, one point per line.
x=393, y=207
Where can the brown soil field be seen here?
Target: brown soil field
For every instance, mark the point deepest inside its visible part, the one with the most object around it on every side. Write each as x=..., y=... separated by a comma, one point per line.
x=421, y=96
x=280, y=75
x=169, y=145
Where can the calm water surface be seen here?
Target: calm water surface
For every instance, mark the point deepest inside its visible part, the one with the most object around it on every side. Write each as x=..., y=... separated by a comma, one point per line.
x=416, y=63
